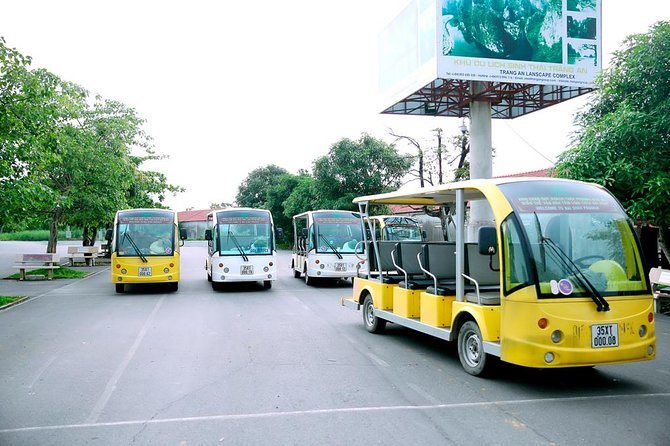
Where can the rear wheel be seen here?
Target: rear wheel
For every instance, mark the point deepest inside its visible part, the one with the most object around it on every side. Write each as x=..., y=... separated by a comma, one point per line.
x=120, y=288
x=267, y=284
x=471, y=349
x=372, y=323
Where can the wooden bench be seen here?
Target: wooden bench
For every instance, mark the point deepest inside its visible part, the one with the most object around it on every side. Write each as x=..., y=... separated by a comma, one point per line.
x=37, y=261
x=87, y=254
x=660, y=286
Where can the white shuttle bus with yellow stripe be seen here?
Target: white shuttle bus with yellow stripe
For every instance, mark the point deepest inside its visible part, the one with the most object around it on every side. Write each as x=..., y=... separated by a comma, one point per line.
x=555, y=280
x=241, y=246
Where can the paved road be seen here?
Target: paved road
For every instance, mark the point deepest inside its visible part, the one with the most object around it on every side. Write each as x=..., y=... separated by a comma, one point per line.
x=80, y=364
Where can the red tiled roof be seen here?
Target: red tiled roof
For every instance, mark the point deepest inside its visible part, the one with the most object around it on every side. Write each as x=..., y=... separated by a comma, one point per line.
x=534, y=173
x=200, y=215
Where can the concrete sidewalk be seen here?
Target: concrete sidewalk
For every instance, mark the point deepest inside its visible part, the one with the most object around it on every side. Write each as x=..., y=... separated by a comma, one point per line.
x=31, y=288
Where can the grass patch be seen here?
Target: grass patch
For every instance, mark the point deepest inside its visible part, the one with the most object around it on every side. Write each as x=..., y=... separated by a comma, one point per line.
x=4, y=300
x=36, y=235
x=60, y=273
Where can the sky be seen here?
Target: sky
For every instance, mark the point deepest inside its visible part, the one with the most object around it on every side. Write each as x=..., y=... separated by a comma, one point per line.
x=226, y=87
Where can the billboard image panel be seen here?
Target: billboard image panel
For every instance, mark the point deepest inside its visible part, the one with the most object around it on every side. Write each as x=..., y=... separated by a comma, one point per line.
x=520, y=41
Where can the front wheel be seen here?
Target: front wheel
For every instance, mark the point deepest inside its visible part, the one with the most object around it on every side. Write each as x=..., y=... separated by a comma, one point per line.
x=372, y=323
x=296, y=273
x=471, y=349
x=120, y=288
x=267, y=284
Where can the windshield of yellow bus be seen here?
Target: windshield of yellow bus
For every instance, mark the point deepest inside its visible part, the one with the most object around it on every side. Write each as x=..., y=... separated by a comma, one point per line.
x=149, y=233
x=579, y=239
x=401, y=228
x=336, y=232
x=245, y=232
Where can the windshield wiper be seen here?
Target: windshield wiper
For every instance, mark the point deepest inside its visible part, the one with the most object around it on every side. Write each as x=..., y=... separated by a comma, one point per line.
x=601, y=303
x=540, y=241
x=330, y=245
x=237, y=245
x=132, y=243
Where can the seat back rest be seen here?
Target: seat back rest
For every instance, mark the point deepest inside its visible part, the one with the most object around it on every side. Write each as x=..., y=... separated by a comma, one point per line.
x=406, y=253
x=440, y=259
x=478, y=266
x=385, y=248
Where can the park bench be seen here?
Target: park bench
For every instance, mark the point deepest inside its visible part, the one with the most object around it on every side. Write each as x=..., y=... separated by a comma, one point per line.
x=660, y=285
x=87, y=254
x=25, y=262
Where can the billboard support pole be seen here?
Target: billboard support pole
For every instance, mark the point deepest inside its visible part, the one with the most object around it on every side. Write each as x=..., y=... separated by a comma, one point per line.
x=481, y=157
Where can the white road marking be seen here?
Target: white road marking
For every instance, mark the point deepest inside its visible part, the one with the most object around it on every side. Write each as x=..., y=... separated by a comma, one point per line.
x=430, y=398
x=344, y=410
x=111, y=384
x=377, y=359
x=41, y=371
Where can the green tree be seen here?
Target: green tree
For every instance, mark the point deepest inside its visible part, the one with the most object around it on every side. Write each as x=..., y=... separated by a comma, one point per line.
x=354, y=168
x=302, y=197
x=623, y=139
x=63, y=160
x=253, y=190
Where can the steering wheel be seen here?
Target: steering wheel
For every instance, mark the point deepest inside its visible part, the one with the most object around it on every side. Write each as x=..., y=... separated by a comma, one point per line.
x=583, y=262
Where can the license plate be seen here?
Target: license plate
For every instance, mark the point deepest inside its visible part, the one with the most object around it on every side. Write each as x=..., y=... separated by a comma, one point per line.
x=340, y=267
x=145, y=271
x=247, y=270
x=604, y=335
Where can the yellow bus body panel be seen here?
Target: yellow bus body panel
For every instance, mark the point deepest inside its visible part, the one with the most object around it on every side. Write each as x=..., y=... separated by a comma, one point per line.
x=157, y=264
x=406, y=302
x=382, y=293
x=436, y=310
x=525, y=343
x=486, y=316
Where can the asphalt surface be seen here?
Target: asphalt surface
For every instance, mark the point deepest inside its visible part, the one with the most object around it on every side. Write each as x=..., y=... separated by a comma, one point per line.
x=80, y=365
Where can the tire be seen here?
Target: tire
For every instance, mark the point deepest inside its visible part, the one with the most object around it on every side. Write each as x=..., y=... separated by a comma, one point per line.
x=120, y=288
x=209, y=277
x=216, y=286
x=267, y=284
x=372, y=323
x=308, y=280
x=296, y=273
x=173, y=286
x=471, y=349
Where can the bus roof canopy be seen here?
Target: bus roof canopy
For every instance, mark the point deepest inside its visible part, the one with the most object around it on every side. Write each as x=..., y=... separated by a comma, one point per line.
x=445, y=193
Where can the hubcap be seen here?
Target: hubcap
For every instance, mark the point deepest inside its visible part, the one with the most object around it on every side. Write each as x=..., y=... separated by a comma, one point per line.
x=472, y=350
x=369, y=314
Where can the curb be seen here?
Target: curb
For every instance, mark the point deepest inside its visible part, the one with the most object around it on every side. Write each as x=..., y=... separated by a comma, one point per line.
x=16, y=302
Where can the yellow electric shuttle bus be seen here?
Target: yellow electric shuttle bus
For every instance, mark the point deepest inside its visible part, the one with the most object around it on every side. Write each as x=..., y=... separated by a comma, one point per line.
x=555, y=279
x=394, y=227
x=145, y=247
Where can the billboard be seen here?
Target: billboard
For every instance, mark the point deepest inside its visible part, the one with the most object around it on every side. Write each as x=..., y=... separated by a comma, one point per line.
x=550, y=42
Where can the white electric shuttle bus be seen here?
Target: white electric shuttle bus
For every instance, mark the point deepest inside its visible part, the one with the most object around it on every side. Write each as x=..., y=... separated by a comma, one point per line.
x=241, y=246
x=328, y=244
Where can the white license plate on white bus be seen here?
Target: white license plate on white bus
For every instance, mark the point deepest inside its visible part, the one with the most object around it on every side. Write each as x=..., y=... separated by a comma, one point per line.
x=340, y=266
x=246, y=270
x=604, y=335
x=145, y=271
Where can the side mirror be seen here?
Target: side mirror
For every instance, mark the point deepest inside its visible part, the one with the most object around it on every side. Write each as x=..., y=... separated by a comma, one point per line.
x=488, y=240
x=108, y=235
x=182, y=234
x=279, y=233
x=208, y=234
